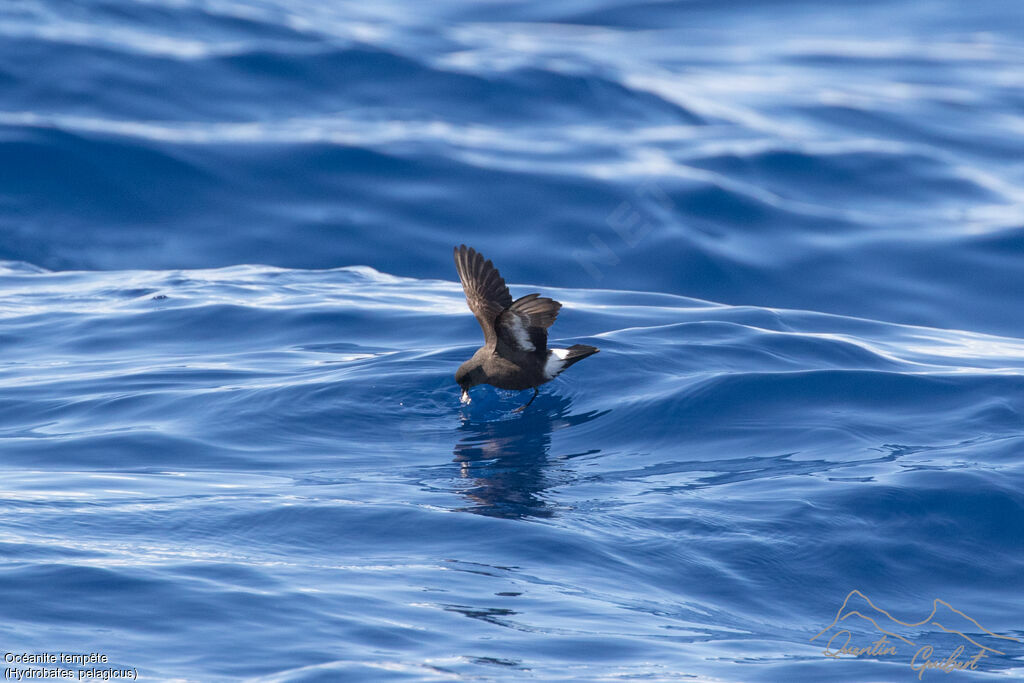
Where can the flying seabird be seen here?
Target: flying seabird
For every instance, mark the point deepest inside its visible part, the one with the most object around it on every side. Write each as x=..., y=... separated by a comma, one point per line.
x=515, y=354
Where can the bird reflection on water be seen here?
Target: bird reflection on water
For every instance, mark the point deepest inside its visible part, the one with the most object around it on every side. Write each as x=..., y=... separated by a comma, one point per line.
x=505, y=462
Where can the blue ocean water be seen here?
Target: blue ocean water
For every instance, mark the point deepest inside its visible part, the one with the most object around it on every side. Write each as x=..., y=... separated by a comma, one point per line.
x=230, y=441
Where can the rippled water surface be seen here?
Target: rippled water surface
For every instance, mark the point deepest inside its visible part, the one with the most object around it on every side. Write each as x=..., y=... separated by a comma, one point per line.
x=230, y=440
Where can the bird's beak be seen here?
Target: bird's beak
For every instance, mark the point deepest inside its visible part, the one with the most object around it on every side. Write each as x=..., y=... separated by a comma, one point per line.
x=465, y=397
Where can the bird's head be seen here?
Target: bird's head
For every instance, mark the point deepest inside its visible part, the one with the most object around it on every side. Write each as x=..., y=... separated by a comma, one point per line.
x=468, y=376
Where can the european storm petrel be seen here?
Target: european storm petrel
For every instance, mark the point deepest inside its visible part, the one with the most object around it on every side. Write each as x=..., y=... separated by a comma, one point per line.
x=515, y=354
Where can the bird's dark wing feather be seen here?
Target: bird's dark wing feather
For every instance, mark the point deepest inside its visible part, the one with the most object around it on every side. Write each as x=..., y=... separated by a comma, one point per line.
x=524, y=325
x=485, y=289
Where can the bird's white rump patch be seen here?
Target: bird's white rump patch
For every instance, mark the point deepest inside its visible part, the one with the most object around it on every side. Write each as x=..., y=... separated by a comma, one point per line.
x=520, y=334
x=555, y=363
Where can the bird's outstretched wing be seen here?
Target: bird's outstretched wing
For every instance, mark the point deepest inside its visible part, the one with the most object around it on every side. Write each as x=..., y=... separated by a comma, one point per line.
x=486, y=292
x=523, y=326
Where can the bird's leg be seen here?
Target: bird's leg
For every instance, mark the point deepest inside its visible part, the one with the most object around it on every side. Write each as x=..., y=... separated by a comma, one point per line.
x=522, y=408
x=535, y=392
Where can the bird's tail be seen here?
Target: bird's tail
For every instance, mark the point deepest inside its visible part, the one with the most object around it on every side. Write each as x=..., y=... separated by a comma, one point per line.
x=578, y=352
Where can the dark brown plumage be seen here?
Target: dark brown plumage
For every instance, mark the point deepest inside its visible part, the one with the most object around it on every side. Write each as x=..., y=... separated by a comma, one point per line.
x=515, y=353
